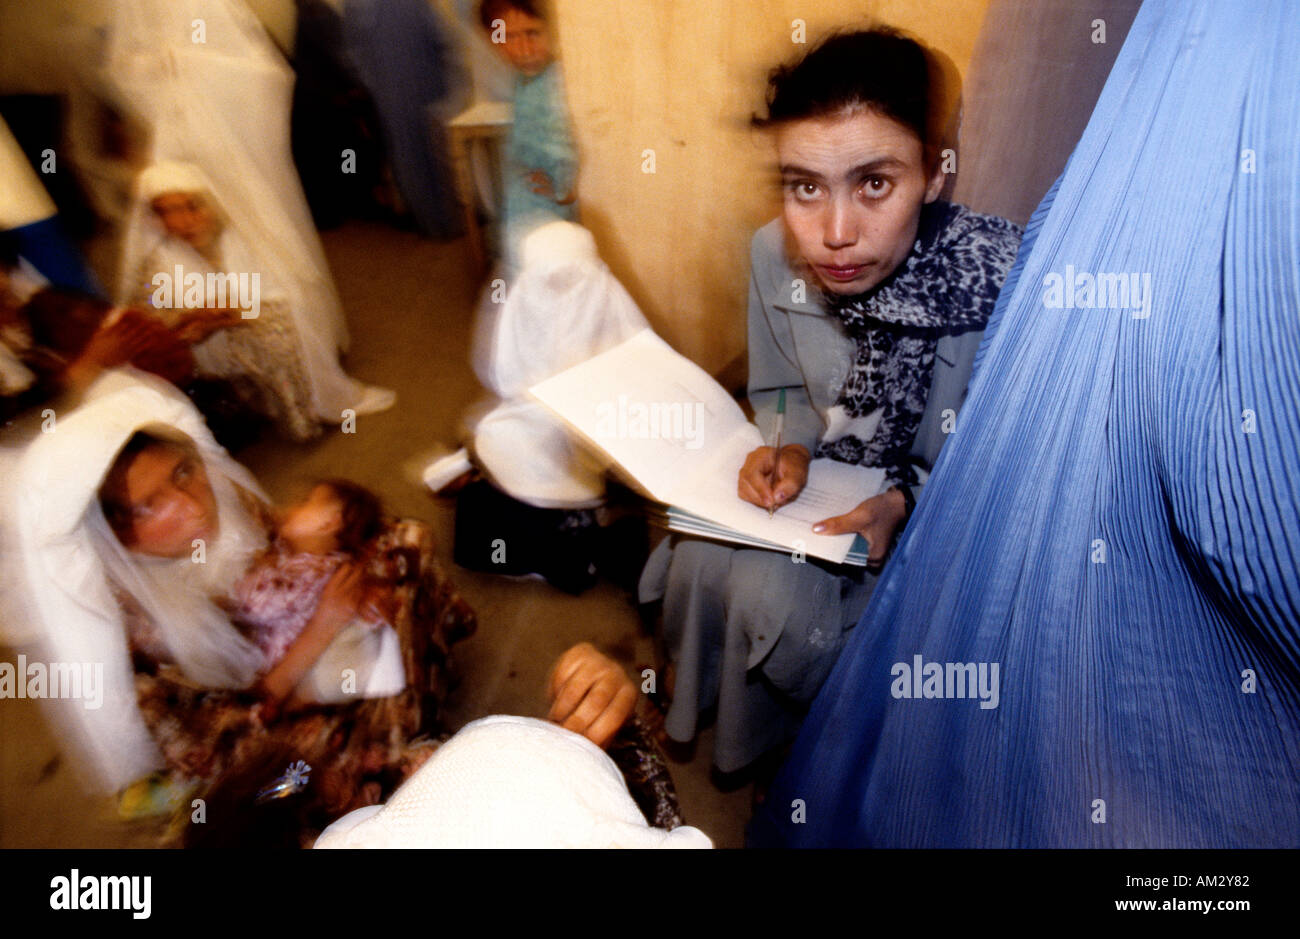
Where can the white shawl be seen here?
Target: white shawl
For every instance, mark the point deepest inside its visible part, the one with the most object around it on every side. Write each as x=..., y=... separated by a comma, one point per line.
x=246, y=247
x=563, y=308
x=510, y=782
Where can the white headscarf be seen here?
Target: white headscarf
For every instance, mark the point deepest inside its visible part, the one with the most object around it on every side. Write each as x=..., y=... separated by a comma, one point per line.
x=170, y=176
x=510, y=782
x=67, y=556
x=563, y=308
x=246, y=246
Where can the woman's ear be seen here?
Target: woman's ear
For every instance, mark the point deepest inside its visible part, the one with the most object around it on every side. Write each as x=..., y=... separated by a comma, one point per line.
x=935, y=184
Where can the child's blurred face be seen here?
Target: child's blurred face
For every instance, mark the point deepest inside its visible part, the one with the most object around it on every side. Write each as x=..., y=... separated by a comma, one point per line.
x=187, y=215
x=313, y=524
x=527, y=46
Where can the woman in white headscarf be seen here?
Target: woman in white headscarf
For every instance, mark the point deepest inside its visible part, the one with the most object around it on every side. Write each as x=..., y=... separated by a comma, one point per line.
x=209, y=87
x=259, y=337
x=70, y=560
x=590, y=775
x=563, y=308
x=139, y=597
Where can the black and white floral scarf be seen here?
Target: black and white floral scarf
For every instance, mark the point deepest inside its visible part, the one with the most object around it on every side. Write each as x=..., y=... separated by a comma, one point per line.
x=948, y=284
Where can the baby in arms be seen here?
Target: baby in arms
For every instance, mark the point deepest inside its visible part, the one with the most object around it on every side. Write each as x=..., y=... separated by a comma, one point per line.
x=311, y=584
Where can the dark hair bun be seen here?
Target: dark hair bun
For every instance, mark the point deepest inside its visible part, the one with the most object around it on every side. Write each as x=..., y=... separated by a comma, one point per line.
x=879, y=69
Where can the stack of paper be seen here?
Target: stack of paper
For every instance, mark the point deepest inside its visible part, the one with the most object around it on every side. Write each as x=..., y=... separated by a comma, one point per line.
x=677, y=519
x=682, y=439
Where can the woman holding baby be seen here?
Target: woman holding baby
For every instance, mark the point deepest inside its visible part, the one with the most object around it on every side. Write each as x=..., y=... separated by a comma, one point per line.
x=228, y=628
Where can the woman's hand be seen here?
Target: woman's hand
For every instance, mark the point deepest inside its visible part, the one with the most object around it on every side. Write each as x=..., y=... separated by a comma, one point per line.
x=769, y=481
x=343, y=597
x=198, y=325
x=119, y=341
x=115, y=343
x=874, y=520
x=590, y=694
x=379, y=605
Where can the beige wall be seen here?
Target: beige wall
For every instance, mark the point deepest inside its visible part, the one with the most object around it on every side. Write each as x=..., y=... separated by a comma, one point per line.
x=681, y=77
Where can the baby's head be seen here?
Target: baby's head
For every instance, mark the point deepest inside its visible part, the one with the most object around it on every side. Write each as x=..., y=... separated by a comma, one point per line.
x=337, y=515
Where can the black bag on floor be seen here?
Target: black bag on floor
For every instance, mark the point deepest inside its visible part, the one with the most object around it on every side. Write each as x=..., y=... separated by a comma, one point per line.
x=500, y=535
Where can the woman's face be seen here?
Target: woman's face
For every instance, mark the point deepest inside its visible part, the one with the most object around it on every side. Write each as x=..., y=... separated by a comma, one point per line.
x=187, y=215
x=527, y=46
x=852, y=187
x=171, y=502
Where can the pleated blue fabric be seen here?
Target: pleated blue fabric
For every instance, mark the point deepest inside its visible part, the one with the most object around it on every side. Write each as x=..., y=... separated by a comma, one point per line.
x=1114, y=522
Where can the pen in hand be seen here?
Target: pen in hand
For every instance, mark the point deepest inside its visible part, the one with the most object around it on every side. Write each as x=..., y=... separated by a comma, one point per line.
x=776, y=455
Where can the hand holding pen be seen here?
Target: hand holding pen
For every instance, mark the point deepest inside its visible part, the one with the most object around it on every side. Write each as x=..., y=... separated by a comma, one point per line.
x=774, y=476
x=776, y=445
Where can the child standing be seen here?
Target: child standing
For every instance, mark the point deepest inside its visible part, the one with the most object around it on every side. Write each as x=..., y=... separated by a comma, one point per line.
x=541, y=160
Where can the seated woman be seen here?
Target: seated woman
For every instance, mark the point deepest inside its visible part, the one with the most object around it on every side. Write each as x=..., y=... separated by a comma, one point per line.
x=321, y=591
x=499, y=782
x=563, y=308
x=128, y=540
x=510, y=782
x=867, y=304
x=278, y=357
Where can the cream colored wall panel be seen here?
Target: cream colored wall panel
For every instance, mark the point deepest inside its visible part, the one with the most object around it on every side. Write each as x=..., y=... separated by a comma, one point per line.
x=681, y=77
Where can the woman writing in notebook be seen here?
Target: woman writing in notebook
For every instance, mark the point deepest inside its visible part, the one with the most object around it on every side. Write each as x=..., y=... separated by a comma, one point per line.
x=867, y=302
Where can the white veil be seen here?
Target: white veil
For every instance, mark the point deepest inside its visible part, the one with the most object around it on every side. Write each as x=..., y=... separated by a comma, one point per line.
x=218, y=95
x=563, y=308
x=332, y=389
x=67, y=556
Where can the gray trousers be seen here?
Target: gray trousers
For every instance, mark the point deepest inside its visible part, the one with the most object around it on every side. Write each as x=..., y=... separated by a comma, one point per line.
x=751, y=632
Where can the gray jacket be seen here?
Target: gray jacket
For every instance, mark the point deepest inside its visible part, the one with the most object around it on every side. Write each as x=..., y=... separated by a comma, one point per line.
x=799, y=347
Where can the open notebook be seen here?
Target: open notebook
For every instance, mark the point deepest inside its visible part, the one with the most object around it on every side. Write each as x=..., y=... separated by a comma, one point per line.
x=681, y=438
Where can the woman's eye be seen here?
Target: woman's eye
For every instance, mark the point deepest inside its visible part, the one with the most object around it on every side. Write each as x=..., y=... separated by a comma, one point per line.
x=804, y=191
x=183, y=472
x=876, y=187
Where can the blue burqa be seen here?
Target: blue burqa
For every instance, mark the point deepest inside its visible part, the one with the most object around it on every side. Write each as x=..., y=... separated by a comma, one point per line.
x=406, y=58
x=1114, y=522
